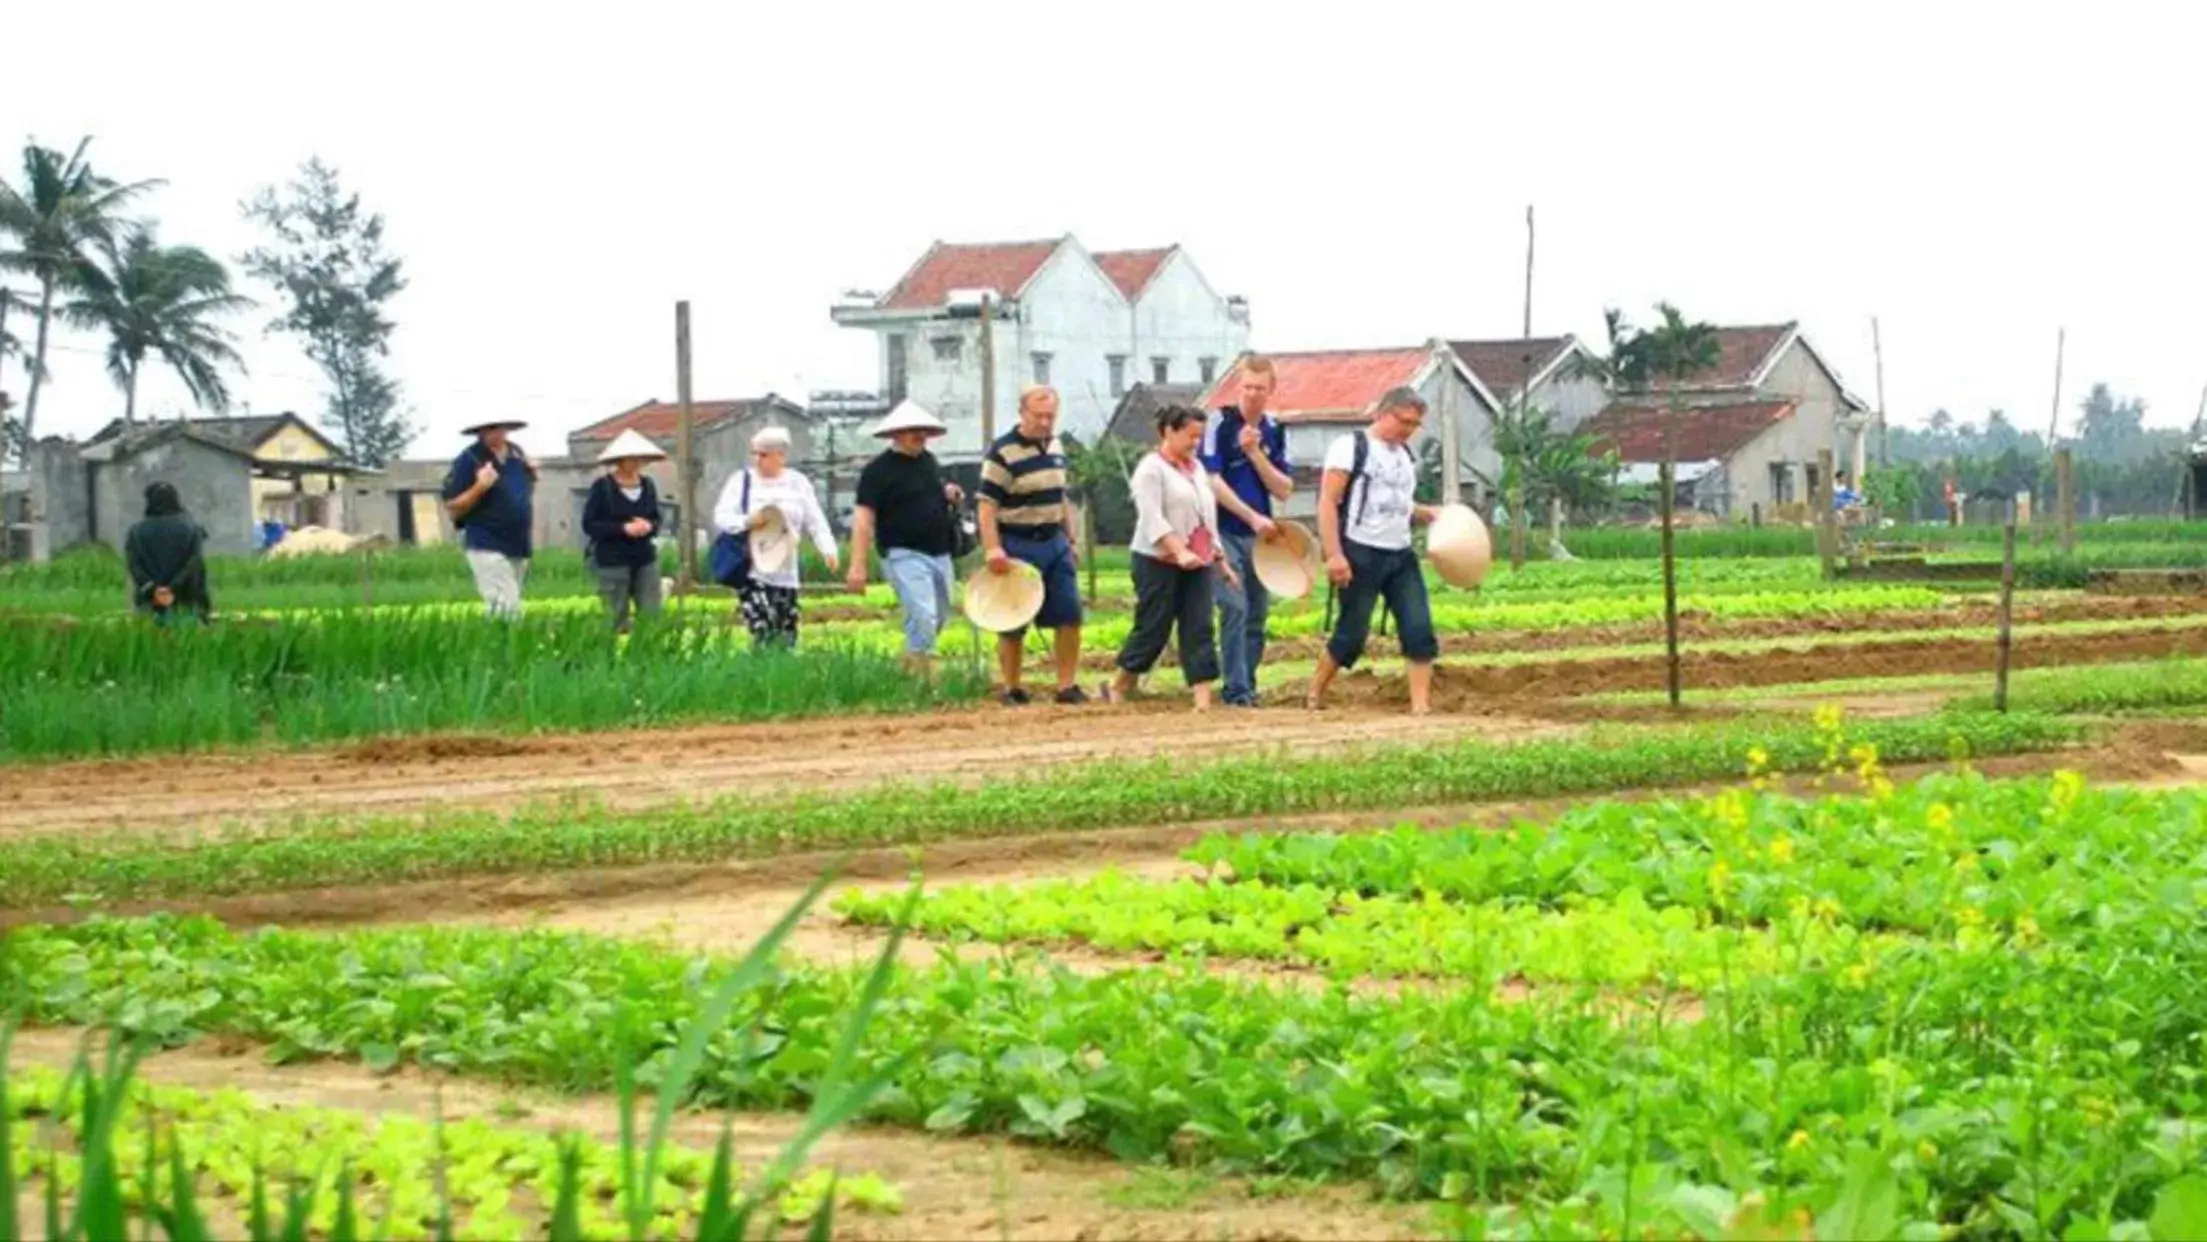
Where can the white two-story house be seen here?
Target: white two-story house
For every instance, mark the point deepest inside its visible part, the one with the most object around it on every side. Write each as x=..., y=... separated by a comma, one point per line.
x=1091, y=324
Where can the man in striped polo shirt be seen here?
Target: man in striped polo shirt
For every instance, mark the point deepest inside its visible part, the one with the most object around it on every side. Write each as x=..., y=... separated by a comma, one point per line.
x=1025, y=516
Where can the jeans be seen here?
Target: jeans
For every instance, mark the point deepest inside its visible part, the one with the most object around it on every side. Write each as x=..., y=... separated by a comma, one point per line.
x=620, y=586
x=922, y=584
x=498, y=580
x=1169, y=598
x=1393, y=574
x=1241, y=618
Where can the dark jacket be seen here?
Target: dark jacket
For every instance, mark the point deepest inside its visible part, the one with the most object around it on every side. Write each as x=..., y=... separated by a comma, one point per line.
x=168, y=550
x=606, y=511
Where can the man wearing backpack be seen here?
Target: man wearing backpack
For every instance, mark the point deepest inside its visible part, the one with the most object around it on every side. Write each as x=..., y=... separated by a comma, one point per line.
x=1367, y=500
x=1245, y=452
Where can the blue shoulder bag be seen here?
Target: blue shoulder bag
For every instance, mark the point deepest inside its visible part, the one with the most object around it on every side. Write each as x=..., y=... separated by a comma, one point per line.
x=730, y=562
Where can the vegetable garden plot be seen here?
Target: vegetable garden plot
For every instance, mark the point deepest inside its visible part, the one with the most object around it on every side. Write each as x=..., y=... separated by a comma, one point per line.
x=1987, y=1075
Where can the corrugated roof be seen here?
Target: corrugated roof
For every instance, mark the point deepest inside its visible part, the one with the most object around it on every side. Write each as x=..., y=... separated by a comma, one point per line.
x=1504, y=366
x=1136, y=417
x=1328, y=385
x=1698, y=433
x=1003, y=266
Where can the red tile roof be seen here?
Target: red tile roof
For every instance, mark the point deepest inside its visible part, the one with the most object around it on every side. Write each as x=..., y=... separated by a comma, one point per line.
x=1132, y=270
x=1329, y=385
x=1504, y=366
x=1003, y=266
x=661, y=421
x=1699, y=433
x=1741, y=355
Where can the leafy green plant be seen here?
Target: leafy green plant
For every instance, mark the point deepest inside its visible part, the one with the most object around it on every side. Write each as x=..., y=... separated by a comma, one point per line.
x=447, y=843
x=571, y=1174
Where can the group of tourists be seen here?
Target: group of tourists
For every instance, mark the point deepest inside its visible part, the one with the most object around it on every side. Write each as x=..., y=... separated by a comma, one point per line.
x=1204, y=499
x=1204, y=502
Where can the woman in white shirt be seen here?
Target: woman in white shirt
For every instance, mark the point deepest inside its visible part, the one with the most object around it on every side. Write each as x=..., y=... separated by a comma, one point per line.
x=1176, y=552
x=768, y=602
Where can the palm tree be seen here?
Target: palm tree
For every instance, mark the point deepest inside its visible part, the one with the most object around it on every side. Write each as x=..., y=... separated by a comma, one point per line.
x=62, y=210
x=159, y=301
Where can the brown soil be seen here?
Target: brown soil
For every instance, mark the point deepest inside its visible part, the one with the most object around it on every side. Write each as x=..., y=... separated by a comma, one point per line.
x=1459, y=688
x=952, y=1187
x=1697, y=626
x=2128, y=754
x=400, y=775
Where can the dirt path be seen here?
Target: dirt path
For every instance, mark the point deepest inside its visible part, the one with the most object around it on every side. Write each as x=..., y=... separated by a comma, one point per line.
x=1461, y=687
x=668, y=765
x=953, y=1187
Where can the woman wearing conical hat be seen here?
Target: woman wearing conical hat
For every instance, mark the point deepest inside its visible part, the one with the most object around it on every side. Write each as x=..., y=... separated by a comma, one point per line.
x=622, y=522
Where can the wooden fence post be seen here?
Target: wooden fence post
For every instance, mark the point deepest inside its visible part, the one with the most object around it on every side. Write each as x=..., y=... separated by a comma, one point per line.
x=2065, y=500
x=2006, y=641
x=1827, y=518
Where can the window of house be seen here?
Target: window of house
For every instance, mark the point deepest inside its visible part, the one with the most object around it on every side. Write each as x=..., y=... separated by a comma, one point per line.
x=1117, y=363
x=947, y=348
x=1207, y=368
x=1042, y=368
x=1781, y=483
x=896, y=367
x=1808, y=469
x=1160, y=370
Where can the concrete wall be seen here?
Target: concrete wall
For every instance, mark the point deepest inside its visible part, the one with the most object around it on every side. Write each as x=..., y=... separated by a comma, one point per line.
x=1794, y=442
x=215, y=486
x=1183, y=320
x=1072, y=312
x=1571, y=401
x=59, y=499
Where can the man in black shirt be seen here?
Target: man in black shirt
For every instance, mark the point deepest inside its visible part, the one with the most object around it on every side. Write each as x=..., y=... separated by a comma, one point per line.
x=903, y=499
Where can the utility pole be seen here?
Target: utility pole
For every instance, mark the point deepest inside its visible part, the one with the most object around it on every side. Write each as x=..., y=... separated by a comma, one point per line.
x=1528, y=273
x=988, y=371
x=685, y=454
x=2053, y=426
x=1884, y=428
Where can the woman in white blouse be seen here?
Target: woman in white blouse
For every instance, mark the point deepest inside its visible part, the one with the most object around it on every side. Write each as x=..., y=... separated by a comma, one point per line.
x=1176, y=553
x=768, y=601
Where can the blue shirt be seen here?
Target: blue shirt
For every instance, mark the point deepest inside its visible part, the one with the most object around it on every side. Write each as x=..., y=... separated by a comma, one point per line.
x=500, y=520
x=1222, y=456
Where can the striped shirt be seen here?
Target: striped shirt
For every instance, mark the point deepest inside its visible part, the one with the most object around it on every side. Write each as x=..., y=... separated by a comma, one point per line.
x=1026, y=483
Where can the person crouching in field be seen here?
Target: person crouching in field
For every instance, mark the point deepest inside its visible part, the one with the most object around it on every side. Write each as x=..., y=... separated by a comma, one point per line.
x=167, y=556
x=1176, y=556
x=768, y=600
x=1366, y=503
x=905, y=503
x=621, y=520
x=489, y=493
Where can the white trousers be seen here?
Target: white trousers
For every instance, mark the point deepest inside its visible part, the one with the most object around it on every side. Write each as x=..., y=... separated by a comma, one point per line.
x=498, y=580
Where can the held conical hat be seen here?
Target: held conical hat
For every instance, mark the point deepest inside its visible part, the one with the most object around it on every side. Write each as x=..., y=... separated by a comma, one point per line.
x=1001, y=603
x=631, y=443
x=773, y=544
x=1459, y=547
x=1286, y=564
x=909, y=416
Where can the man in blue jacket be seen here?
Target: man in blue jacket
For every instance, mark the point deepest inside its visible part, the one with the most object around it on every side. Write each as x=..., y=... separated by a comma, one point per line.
x=488, y=493
x=1245, y=451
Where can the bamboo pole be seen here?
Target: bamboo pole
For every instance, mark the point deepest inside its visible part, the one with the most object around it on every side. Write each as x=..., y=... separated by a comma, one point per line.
x=1667, y=500
x=685, y=450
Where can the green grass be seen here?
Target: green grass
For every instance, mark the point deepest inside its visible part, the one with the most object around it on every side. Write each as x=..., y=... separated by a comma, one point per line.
x=125, y=687
x=445, y=844
x=2155, y=686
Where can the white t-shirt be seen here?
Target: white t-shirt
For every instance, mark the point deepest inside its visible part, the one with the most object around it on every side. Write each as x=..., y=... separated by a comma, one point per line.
x=1379, y=501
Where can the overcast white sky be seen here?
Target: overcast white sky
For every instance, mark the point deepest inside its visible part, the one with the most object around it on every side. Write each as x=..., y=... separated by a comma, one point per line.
x=1975, y=175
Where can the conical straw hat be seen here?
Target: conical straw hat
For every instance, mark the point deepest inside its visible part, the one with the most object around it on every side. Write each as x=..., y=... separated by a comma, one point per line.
x=910, y=416
x=1459, y=547
x=1001, y=603
x=1287, y=564
x=631, y=443
x=773, y=545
